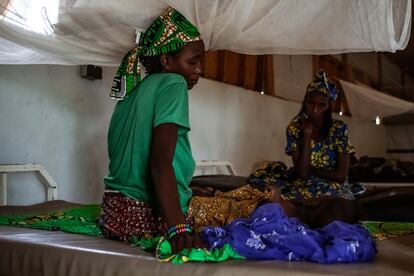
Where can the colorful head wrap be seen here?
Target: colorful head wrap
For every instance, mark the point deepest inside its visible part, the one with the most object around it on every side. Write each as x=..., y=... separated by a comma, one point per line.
x=168, y=33
x=322, y=84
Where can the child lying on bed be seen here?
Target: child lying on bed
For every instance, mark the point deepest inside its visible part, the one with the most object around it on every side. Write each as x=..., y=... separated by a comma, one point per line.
x=224, y=207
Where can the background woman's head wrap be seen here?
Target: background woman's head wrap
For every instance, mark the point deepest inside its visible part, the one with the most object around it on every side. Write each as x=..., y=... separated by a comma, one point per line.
x=168, y=33
x=322, y=84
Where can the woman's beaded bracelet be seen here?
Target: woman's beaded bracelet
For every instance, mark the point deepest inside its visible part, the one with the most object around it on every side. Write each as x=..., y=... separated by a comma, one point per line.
x=178, y=229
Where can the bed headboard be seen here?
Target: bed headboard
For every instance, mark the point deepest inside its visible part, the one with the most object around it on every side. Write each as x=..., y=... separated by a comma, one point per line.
x=204, y=167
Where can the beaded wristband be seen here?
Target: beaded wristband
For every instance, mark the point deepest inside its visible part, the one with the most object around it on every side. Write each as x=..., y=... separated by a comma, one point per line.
x=178, y=229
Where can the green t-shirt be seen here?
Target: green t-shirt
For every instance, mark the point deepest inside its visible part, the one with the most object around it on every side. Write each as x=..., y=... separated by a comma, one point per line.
x=160, y=98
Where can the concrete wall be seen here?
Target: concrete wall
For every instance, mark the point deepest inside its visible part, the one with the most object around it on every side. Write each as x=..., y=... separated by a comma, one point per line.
x=401, y=137
x=231, y=123
x=50, y=115
x=368, y=138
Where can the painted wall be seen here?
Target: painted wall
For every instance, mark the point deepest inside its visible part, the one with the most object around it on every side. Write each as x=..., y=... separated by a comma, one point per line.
x=231, y=123
x=50, y=115
x=401, y=137
x=368, y=138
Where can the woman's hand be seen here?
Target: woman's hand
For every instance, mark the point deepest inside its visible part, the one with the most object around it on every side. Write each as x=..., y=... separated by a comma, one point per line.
x=301, y=155
x=186, y=240
x=307, y=127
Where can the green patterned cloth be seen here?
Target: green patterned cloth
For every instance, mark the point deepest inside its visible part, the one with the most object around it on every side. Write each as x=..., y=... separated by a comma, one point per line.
x=163, y=253
x=385, y=230
x=168, y=33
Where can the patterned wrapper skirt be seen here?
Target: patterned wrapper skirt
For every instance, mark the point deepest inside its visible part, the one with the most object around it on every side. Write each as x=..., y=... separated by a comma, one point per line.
x=123, y=217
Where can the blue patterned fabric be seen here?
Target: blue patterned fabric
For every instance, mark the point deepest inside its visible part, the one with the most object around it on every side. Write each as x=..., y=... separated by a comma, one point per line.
x=275, y=173
x=324, y=155
x=322, y=84
x=268, y=234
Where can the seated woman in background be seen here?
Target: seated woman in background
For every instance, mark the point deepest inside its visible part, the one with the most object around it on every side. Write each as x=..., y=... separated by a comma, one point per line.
x=319, y=145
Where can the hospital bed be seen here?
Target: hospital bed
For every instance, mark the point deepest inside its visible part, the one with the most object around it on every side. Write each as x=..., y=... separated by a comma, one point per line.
x=37, y=252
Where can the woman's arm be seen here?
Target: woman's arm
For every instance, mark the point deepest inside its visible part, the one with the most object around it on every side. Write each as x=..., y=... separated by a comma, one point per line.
x=163, y=178
x=339, y=174
x=162, y=173
x=302, y=155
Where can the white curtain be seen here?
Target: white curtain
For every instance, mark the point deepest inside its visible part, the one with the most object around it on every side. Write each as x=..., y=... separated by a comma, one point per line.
x=366, y=103
x=101, y=31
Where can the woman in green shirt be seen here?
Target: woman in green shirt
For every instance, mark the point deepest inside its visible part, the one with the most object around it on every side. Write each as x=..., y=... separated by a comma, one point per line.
x=151, y=164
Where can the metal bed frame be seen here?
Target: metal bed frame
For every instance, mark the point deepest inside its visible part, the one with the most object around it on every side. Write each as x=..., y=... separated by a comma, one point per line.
x=48, y=183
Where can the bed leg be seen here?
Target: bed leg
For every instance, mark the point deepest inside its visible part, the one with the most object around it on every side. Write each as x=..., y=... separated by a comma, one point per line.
x=3, y=189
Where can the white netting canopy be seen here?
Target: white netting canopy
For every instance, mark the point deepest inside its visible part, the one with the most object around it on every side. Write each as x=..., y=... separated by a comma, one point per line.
x=101, y=31
x=366, y=104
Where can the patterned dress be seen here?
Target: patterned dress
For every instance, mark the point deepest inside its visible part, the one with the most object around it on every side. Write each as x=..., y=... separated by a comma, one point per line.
x=324, y=155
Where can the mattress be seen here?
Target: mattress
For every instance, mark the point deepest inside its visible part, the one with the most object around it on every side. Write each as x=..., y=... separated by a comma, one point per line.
x=219, y=181
x=36, y=252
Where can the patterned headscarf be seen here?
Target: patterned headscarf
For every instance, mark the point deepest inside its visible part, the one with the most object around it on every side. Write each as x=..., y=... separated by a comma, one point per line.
x=168, y=33
x=322, y=84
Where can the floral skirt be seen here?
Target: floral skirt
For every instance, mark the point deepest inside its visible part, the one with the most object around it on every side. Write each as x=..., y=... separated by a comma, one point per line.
x=123, y=217
x=276, y=173
x=315, y=187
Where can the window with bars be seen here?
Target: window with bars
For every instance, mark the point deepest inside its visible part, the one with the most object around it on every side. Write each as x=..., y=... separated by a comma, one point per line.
x=36, y=16
x=4, y=4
